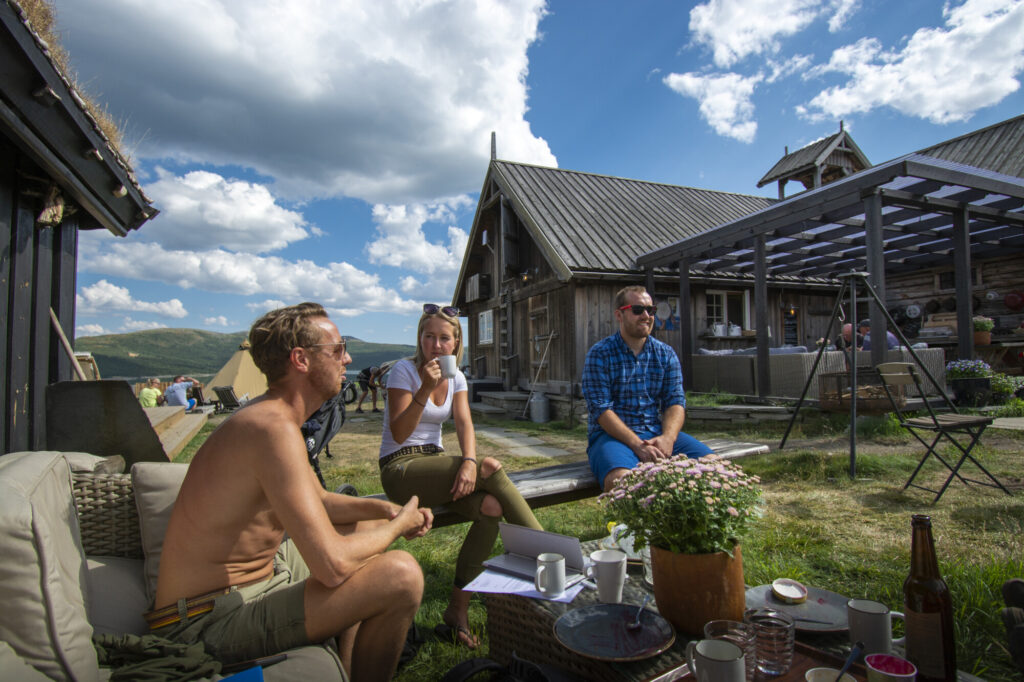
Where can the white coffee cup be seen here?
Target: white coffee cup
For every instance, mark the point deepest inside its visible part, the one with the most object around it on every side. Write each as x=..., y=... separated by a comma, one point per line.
x=871, y=623
x=550, y=577
x=448, y=366
x=716, y=660
x=608, y=569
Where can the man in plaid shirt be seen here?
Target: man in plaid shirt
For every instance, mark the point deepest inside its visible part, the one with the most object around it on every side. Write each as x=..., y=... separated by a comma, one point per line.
x=634, y=390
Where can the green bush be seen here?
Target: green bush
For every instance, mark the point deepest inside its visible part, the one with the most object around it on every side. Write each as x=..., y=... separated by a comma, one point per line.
x=1014, y=407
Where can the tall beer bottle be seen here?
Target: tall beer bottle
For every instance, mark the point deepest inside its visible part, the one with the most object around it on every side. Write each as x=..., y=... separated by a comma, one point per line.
x=929, y=609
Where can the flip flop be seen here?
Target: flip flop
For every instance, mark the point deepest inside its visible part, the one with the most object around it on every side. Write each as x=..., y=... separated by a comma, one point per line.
x=447, y=633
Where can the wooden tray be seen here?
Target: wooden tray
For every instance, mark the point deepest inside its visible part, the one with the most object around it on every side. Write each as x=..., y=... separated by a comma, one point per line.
x=806, y=657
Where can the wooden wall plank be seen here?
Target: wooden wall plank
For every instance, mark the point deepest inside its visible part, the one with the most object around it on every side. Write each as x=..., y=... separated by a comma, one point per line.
x=8, y=159
x=42, y=335
x=19, y=326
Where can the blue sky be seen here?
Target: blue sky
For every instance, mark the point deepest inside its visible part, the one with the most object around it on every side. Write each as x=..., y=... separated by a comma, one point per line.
x=317, y=150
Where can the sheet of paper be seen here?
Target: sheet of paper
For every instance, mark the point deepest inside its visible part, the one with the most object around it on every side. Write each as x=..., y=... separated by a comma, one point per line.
x=500, y=583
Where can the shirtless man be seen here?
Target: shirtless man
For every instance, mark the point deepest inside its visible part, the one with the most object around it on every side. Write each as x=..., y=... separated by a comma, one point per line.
x=247, y=486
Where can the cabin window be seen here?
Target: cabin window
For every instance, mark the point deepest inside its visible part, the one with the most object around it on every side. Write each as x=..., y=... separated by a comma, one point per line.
x=485, y=327
x=727, y=307
x=946, y=280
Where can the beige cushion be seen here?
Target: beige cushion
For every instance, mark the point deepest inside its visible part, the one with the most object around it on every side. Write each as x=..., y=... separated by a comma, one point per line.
x=14, y=668
x=116, y=595
x=83, y=462
x=42, y=571
x=156, y=487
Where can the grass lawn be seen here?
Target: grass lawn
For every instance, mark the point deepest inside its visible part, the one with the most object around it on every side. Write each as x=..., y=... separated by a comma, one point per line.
x=819, y=527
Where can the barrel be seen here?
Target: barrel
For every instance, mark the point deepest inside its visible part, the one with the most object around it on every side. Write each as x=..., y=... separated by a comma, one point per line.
x=539, y=408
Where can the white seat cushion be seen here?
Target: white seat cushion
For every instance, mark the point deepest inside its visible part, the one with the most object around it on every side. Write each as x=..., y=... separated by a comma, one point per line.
x=156, y=487
x=42, y=573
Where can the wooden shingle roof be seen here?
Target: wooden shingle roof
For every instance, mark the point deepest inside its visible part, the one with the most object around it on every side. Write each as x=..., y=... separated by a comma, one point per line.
x=836, y=156
x=998, y=148
x=587, y=223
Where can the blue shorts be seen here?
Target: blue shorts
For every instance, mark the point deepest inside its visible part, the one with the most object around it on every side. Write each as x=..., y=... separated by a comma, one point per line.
x=606, y=453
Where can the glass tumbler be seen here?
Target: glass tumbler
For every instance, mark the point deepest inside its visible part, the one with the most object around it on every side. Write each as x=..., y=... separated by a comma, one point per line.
x=775, y=631
x=742, y=635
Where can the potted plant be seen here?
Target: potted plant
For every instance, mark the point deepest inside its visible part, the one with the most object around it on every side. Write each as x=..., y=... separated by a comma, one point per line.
x=971, y=381
x=692, y=513
x=982, y=330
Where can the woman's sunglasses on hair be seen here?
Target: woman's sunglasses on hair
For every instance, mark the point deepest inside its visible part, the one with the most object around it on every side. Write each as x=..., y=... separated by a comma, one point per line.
x=433, y=309
x=638, y=309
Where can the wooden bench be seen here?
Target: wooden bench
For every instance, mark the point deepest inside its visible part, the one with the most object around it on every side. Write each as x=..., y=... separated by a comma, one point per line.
x=545, y=486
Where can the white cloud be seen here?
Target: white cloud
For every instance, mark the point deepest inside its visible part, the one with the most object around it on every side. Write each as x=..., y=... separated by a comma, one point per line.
x=204, y=210
x=409, y=285
x=387, y=101
x=131, y=325
x=941, y=74
x=843, y=10
x=725, y=100
x=335, y=284
x=266, y=306
x=104, y=297
x=403, y=243
x=736, y=29
x=90, y=330
x=217, y=321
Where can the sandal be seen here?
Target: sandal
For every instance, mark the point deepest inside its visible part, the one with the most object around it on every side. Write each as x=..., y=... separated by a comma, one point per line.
x=449, y=633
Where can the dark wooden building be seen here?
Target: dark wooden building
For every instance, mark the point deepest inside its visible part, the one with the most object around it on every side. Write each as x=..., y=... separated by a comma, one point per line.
x=58, y=175
x=549, y=248
x=938, y=232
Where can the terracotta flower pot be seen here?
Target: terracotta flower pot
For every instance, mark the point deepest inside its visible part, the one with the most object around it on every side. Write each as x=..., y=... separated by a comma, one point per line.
x=982, y=338
x=691, y=589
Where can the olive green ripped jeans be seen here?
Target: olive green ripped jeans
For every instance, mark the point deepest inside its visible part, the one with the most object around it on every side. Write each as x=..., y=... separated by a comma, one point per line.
x=431, y=478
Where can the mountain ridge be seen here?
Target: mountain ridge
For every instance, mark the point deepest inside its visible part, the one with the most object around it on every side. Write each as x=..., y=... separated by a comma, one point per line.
x=167, y=352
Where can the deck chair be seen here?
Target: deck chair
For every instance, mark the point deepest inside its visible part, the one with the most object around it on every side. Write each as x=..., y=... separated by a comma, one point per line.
x=228, y=400
x=961, y=430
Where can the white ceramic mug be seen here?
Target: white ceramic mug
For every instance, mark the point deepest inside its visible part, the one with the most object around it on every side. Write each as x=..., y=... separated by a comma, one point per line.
x=550, y=577
x=448, y=366
x=608, y=569
x=716, y=660
x=871, y=623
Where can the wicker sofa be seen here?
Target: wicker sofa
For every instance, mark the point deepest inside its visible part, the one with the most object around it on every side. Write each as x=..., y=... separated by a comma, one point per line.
x=80, y=547
x=737, y=373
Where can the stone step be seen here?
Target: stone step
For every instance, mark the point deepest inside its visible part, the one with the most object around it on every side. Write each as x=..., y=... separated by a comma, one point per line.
x=180, y=433
x=484, y=408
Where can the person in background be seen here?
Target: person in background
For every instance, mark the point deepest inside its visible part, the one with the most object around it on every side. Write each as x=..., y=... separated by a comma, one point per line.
x=413, y=461
x=369, y=382
x=864, y=329
x=633, y=386
x=177, y=392
x=228, y=576
x=150, y=395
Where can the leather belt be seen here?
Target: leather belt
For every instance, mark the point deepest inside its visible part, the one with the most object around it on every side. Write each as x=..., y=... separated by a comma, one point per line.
x=196, y=606
x=429, y=449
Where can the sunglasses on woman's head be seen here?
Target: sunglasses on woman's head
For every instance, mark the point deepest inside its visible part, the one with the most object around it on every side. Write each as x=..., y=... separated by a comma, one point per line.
x=433, y=309
x=638, y=309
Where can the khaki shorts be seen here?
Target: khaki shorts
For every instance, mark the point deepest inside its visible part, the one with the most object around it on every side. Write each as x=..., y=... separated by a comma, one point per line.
x=252, y=621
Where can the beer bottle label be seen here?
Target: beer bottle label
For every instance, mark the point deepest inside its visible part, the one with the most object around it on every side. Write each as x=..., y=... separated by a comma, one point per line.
x=924, y=643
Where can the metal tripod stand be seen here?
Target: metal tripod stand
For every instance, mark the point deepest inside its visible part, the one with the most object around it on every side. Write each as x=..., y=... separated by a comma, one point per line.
x=854, y=278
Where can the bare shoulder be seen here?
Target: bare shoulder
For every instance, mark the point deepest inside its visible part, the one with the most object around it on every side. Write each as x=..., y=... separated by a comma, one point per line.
x=259, y=428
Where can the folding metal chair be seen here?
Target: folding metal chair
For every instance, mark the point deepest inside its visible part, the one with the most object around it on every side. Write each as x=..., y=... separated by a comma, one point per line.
x=953, y=427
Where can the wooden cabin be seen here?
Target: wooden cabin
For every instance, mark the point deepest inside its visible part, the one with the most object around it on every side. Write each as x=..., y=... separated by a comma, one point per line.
x=550, y=247
x=58, y=175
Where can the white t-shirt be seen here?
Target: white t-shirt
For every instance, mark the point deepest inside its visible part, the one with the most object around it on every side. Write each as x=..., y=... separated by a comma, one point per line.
x=403, y=375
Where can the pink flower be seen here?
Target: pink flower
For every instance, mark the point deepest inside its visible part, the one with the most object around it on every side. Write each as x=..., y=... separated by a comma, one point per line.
x=732, y=511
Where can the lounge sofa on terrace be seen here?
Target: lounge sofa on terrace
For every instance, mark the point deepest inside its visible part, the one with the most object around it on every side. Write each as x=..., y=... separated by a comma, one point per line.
x=81, y=551
x=789, y=367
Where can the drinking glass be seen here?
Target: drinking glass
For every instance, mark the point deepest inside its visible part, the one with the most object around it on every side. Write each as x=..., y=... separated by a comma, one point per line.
x=742, y=635
x=775, y=631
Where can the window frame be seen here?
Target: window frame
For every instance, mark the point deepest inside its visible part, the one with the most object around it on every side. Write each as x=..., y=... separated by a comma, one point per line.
x=485, y=322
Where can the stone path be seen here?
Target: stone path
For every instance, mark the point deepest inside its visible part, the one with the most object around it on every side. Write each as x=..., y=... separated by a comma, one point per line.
x=518, y=444
x=1014, y=423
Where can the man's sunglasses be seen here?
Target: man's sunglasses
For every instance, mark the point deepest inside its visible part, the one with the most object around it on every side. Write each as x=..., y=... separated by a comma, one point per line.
x=338, y=348
x=638, y=309
x=433, y=309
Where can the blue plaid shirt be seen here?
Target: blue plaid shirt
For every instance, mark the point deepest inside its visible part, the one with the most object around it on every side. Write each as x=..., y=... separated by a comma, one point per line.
x=638, y=388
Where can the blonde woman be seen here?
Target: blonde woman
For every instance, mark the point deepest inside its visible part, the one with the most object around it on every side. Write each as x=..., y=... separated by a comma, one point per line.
x=413, y=461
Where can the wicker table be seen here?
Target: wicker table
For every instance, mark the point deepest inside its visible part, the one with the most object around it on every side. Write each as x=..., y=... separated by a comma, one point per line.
x=526, y=626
